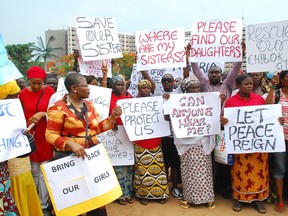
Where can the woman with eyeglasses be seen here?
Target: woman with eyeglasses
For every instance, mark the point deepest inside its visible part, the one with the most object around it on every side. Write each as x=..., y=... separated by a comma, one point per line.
x=66, y=127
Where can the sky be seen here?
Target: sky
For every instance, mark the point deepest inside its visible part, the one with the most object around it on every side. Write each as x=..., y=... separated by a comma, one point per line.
x=22, y=21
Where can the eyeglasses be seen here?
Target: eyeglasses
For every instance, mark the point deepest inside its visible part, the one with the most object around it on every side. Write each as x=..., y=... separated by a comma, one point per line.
x=167, y=80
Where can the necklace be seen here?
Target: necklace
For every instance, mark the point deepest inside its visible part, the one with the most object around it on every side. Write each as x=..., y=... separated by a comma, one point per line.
x=74, y=104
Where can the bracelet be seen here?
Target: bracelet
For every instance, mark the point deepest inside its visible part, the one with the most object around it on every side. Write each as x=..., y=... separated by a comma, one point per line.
x=272, y=86
x=104, y=81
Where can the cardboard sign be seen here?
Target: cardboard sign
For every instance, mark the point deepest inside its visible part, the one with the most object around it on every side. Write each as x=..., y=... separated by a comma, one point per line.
x=12, y=142
x=77, y=186
x=94, y=67
x=98, y=38
x=216, y=40
x=195, y=114
x=254, y=129
x=267, y=47
x=160, y=49
x=143, y=118
x=100, y=97
x=118, y=146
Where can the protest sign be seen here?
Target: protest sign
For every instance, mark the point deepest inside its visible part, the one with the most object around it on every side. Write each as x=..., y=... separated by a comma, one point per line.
x=254, y=129
x=118, y=146
x=77, y=186
x=267, y=47
x=98, y=38
x=100, y=97
x=94, y=67
x=160, y=49
x=195, y=114
x=12, y=142
x=143, y=118
x=8, y=71
x=155, y=74
x=216, y=40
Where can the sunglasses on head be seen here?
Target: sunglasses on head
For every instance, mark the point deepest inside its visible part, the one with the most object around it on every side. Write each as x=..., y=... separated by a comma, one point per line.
x=167, y=80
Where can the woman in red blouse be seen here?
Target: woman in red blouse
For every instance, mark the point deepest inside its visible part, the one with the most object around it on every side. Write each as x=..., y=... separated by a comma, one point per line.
x=35, y=99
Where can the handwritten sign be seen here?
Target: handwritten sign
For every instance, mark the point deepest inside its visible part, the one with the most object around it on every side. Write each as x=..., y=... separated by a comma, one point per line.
x=100, y=97
x=94, y=67
x=160, y=49
x=12, y=142
x=8, y=70
x=98, y=38
x=77, y=186
x=267, y=47
x=195, y=114
x=143, y=118
x=216, y=40
x=155, y=74
x=254, y=129
x=118, y=146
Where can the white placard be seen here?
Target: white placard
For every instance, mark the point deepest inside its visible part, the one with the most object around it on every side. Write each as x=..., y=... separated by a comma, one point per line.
x=195, y=114
x=101, y=98
x=267, y=47
x=98, y=38
x=72, y=180
x=94, y=67
x=162, y=48
x=12, y=142
x=254, y=129
x=118, y=146
x=143, y=118
x=216, y=40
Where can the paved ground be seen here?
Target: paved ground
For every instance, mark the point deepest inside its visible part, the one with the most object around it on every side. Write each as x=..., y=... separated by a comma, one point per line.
x=172, y=208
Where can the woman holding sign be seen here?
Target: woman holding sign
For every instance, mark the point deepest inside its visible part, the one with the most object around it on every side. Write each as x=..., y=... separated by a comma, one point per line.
x=150, y=176
x=196, y=161
x=250, y=177
x=67, y=122
x=124, y=173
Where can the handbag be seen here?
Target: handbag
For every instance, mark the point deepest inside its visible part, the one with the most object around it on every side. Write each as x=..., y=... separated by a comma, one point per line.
x=220, y=153
x=32, y=144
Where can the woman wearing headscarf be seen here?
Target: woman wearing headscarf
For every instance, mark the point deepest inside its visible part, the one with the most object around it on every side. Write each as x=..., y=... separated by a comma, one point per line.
x=252, y=187
x=35, y=99
x=150, y=179
x=66, y=128
x=123, y=173
x=22, y=184
x=7, y=203
x=196, y=161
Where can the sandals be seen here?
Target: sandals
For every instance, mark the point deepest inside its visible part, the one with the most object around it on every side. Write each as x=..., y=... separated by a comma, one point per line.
x=259, y=207
x=144, y=201
x=184, y=204
x=162, y=201
x=211, y=205
x=129, y=200
x=279, y=208
x=237, y=206
x=122, y=201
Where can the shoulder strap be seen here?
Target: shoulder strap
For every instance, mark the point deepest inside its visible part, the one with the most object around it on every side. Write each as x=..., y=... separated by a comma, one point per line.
x=43, y=89
x=277, y=94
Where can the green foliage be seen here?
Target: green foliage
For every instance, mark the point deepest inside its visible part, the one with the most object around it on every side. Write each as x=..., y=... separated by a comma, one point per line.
x=21, y=55
x=124, y=65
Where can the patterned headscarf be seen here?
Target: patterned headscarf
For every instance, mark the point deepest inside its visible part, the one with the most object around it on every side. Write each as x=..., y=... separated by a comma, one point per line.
x=116, y=79
x=9, y=88
x=188, y=81
x=144, y=82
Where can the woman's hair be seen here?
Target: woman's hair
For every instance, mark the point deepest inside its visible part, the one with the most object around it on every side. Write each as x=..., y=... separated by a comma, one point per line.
x=240, y=78
x=90, y=78
x=72, y=79
x=281, y=77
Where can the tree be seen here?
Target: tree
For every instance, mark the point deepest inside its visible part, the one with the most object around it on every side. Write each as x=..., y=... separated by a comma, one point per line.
x=45, y=52
x=124, y=65
x=21, y=55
